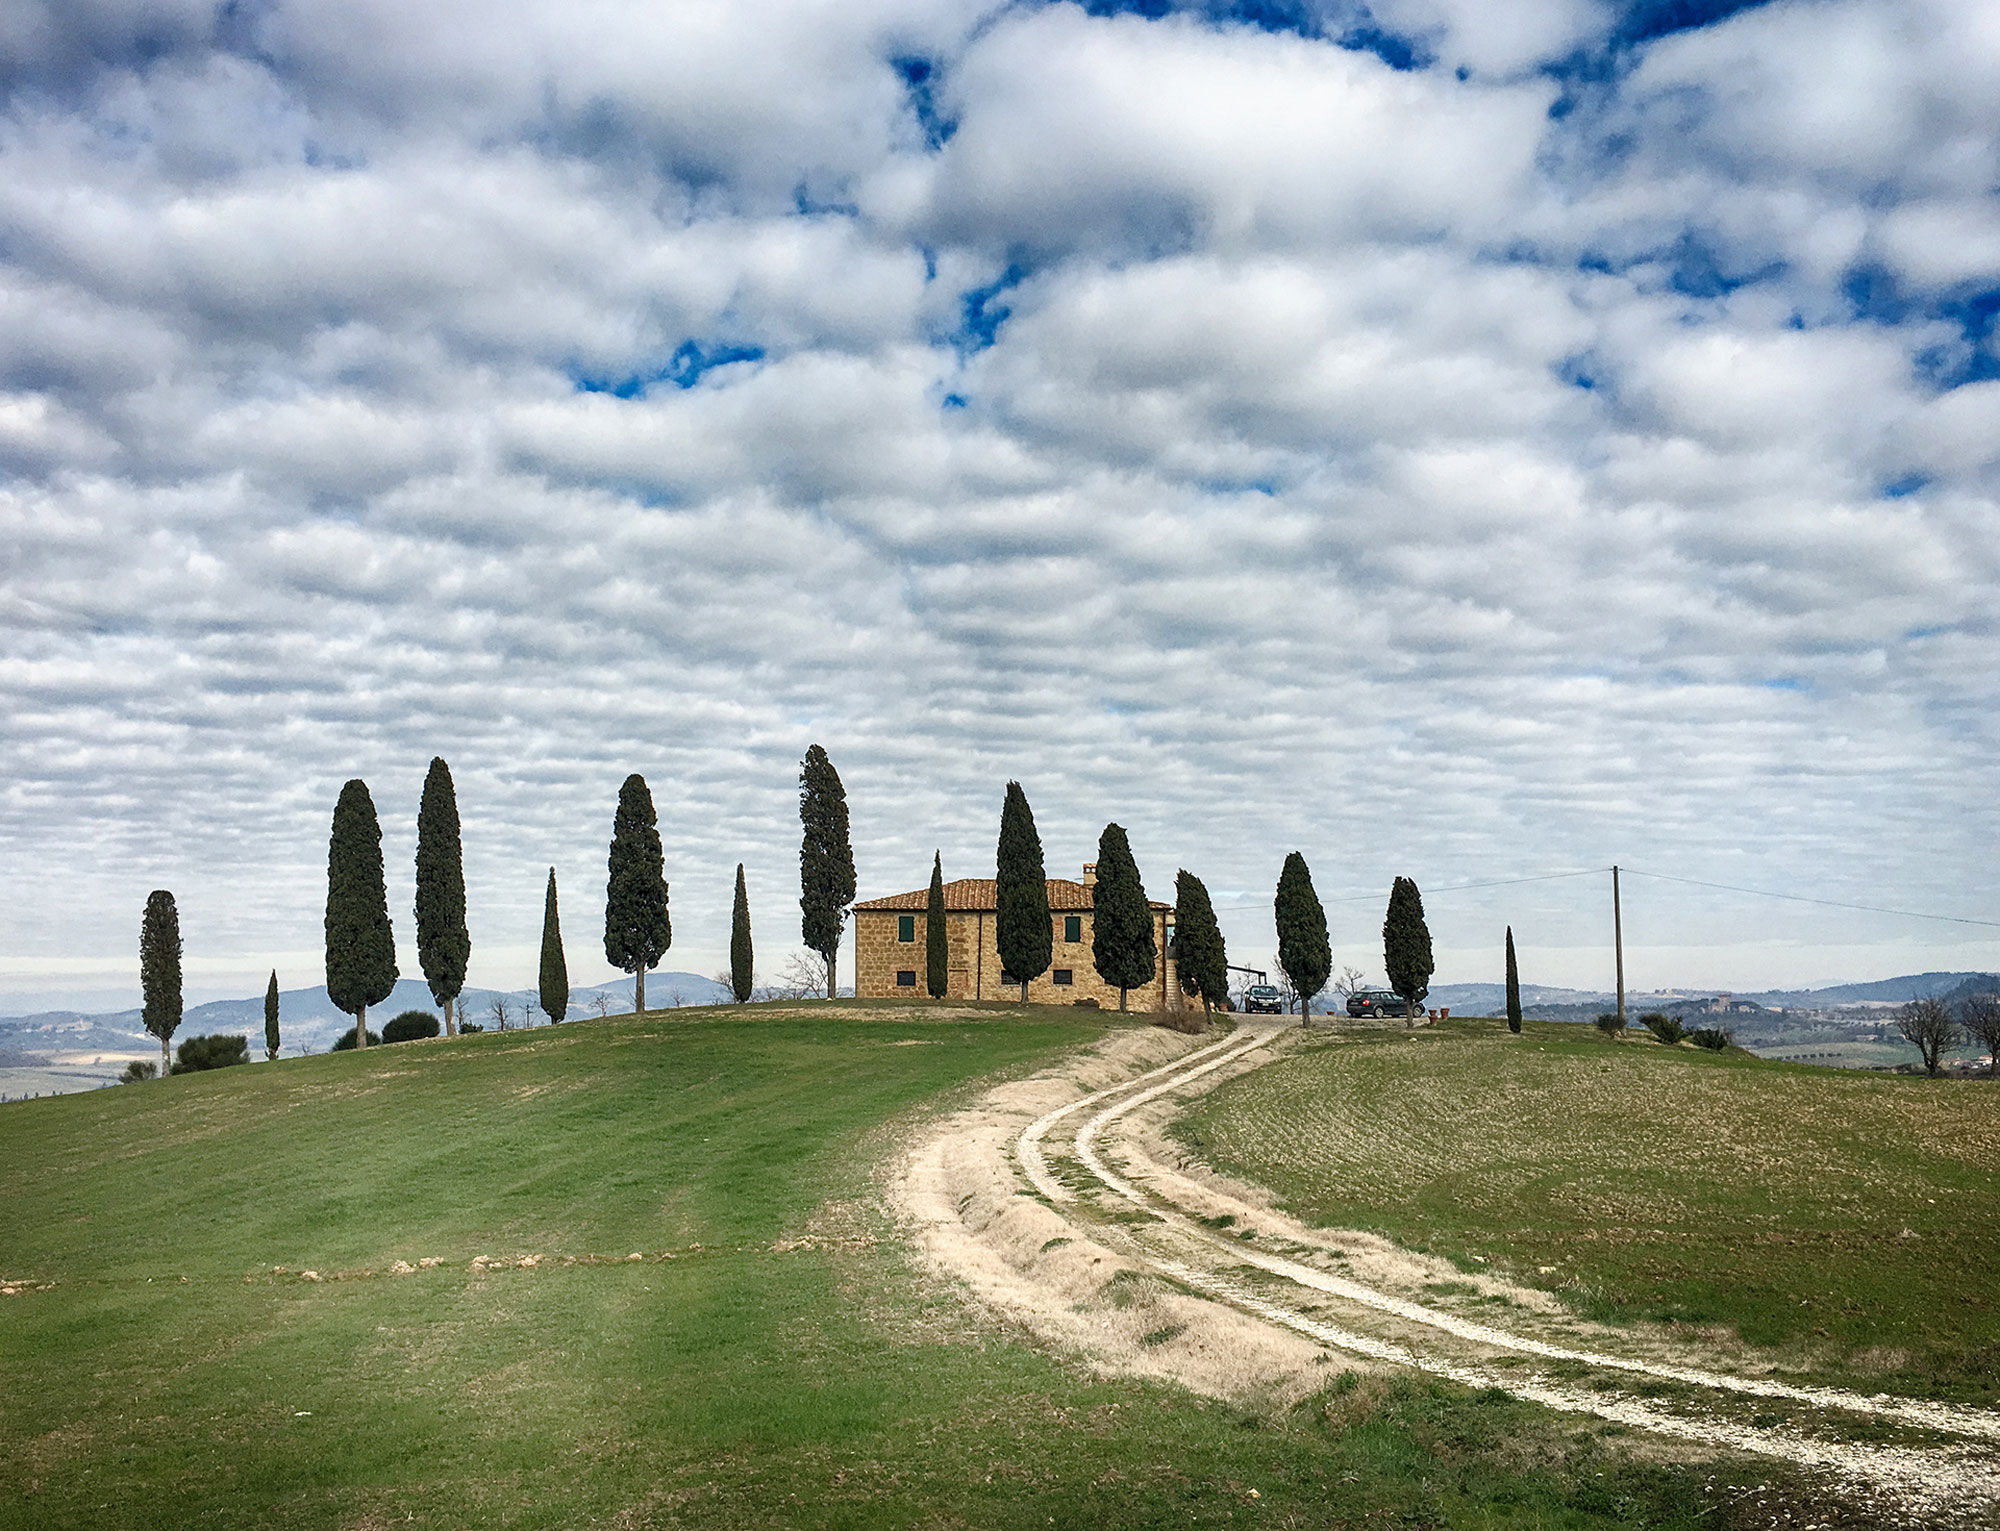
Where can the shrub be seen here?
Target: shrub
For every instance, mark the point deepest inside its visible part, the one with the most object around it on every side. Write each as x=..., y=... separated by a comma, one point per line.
x=137, y=1070
x=411, y=1026
x=1187, y=1019
x=469, y=1028
x=346, y=1042
x=1714, y=1038
x=1610, y=1023
x=1668, y=1028
x=1085, y=1003
x=219, y=1051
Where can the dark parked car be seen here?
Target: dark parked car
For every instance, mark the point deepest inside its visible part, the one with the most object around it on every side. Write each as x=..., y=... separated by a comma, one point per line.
x=1377, y=1002
x=1263, y=999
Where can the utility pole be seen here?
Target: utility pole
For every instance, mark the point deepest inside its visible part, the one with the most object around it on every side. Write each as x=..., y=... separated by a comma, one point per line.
x=1618, y=941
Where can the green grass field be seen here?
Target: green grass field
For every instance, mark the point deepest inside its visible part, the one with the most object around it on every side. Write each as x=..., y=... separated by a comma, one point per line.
x=785, y=1367
x=1853, y=1219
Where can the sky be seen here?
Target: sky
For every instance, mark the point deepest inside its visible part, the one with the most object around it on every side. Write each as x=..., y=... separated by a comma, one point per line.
x=1450, y=440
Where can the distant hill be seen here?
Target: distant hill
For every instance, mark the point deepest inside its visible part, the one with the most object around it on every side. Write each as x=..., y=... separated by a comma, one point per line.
x=1890, y=990
x=1491, y=998
x=307, y=1018
x=1553, y=1004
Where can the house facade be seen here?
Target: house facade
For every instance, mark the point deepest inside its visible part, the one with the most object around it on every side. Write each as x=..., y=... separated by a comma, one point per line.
x=890, y=936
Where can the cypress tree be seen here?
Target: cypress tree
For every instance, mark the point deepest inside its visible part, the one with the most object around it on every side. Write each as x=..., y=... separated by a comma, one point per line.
x=555, y=971
x=160, y=971
x=742, y=964
x=360, y=946
x=1199, y=952
x=1513, y=987
x=271, y=1019
x=1121, y=926
x=637, y=927
x=937, y=947
x=1021, y=925
x=826, y=860
x=1303, y=949
x=443, y=944
x=1406, y=945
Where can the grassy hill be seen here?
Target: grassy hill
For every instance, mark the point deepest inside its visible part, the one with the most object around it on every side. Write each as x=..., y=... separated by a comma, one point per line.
x=1852, y=1219
x=769, y=1358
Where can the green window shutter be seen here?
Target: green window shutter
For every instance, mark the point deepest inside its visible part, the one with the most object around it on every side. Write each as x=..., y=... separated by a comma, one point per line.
x=1072, y=927
x=906, y=927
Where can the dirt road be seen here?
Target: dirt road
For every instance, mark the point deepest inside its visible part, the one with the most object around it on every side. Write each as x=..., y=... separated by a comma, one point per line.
x=1060, y=1203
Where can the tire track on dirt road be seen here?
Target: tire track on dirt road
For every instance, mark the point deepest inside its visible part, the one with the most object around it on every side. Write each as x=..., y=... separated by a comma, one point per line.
x=1173, y=1241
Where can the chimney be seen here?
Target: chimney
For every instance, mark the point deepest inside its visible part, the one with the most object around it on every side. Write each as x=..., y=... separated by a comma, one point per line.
x=1090, y=874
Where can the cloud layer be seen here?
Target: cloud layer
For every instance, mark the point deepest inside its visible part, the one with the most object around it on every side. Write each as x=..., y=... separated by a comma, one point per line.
x=1451, y=440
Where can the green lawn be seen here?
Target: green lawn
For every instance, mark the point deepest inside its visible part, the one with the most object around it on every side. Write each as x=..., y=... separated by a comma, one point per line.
x=784, y=1368
x=1854, y=1218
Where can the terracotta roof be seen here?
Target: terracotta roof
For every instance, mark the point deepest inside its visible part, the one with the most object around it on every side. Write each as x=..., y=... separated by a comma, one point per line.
x=969, y=895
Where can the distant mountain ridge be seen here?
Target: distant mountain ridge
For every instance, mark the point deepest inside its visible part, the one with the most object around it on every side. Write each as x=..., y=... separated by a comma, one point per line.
x=308, y=1016
x=1491, y=998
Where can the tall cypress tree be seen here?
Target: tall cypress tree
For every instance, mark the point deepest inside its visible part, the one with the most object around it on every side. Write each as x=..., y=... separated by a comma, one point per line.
x=1021, y=925
x=1121, y=926
x=360, y=946
x=826, y=860
x=637, y=927
x=160, y=971
x=1406, y=945
x=1513, y=987
x=1199, y=953
x=271, y=1019
x=555, y=971
x=937, y=945
x=742, y=961
x=1303, y=949
x=444, y=946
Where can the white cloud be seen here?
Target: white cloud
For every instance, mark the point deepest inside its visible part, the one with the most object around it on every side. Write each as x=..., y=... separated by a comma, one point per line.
x=1359, y=461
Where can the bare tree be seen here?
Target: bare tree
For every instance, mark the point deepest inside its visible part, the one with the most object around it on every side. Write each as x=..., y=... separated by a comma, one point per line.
x=502, y=1013
x=1288, y=992
x=800, y=978
x=1979, y=1014
x=601, y=1003
x=675, y=999
x=1929, y=1027
x=1346, y=981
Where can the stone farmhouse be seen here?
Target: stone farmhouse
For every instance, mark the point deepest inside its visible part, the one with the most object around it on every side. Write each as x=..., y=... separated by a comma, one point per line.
x=890, y=936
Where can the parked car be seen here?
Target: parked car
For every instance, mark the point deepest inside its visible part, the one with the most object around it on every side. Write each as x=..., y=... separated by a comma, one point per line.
x=1377, y=1002
x=1263, y=999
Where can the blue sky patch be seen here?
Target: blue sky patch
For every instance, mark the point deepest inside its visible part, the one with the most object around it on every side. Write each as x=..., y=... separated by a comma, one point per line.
x=1646, y=20
x=1969, y=357
x=980, y=316
x=690, y=363
x=920, y=80
x=1907, y=485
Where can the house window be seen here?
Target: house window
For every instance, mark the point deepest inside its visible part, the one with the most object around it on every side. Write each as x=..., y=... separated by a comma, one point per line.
x=1072, y=927
x=907, y=979
x=906, y=927
x=1063, y=978
x=1008, y=980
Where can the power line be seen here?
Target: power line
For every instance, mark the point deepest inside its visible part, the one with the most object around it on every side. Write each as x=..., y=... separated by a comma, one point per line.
x=1692, y=882
x=1800, y=898
x=1497, y=882
x=1466, y=887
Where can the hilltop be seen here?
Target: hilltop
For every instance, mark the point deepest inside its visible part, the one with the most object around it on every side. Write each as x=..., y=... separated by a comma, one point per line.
x=637, y=1272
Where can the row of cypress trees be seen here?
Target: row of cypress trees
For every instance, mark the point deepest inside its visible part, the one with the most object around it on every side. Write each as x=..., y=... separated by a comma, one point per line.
x=360, y=946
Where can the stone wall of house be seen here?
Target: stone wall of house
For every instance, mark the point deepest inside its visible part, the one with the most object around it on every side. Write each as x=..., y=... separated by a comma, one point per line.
x=973, y=947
